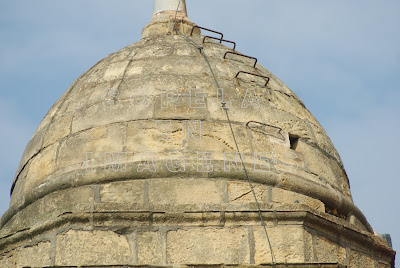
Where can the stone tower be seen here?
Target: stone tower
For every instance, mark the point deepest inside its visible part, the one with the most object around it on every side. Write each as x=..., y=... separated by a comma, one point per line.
x=179, y=151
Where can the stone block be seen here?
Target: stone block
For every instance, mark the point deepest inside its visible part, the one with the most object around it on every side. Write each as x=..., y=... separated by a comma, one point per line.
x=292, y=105
x=33, y=146
x=116, y=70
x=149, y=248
x=289, y=244
x=207, y=83
x=176, y=65
x=101, y=114
x=208, y=246
x=178, y=218
x=217, y=137
x=360, y=260
x=69, y=200
x=290, y=123
x=122, y=192
x=43, y=164
x=280, y=196
x=58, y=129
x=186, y=191
x=154, y=50
x=244, y=218
x=240, y=192
x=97, y=141
x=318, y=163
x=145, y=136
x=7, y=262
x=151, y=85
x=329, y=251
x=268, y=138
x=78, y=248
x=240, y=108
x=180, y=106
x=185, y=49
x=324, y=142
x=34, y=256
x=77, y=98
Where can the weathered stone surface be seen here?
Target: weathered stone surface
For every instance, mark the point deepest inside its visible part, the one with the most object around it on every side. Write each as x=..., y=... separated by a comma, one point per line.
x=208, y=246
x=42, y=165
x=58, y=129
x=324, y=142
x=217, y=137
x=280, y=196
x=7, y=262
x=289, y=244
x=68, y=200
x=33, y=147
x=34, y=256
x=149, y=248
x=186, y=191
x=241, y=108
x=106, y=112
x=187, y=219
x=329, y=251
x=122, y=192
x=318, y=163
x=182, y=106
x=383, y=265
x=360, y=260
x=101, y=140
x=287, y=102
x=240, y=192
x=115, y=70
x=75, y=248
x=52, y=206
x=148, y=136
x=290, y=123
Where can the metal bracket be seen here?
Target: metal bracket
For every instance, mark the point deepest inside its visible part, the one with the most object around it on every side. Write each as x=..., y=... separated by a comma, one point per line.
x=264, y=124
x=198, y=27
x=223, y=40
x=235, y=53
x=266, y=77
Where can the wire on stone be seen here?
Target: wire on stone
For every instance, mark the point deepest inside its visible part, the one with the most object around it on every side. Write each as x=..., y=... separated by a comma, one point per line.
x=232, y=132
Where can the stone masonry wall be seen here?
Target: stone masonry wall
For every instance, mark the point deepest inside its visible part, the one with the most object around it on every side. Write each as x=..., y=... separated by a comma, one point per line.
x=179, y=221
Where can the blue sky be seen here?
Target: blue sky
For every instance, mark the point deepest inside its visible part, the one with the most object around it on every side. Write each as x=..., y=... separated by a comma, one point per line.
x=342, y=58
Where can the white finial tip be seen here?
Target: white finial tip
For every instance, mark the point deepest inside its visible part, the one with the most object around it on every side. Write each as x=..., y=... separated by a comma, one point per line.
x=169, y=5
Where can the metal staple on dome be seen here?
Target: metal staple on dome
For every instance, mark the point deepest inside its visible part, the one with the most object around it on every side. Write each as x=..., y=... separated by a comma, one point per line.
x=199, y=27
x=223, y=40
x=258, y=75
x=242, y=55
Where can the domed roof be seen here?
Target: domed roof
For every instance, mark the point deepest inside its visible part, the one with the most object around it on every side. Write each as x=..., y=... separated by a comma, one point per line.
x=154, y=108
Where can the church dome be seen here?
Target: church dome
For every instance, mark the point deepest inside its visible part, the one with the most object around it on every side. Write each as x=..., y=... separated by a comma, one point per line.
x=145, y=131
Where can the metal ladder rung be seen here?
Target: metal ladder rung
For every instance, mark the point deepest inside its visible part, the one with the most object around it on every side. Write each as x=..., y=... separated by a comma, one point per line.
x=242, y=55
x=223, y=40
x=199, y=27
x=259, y=75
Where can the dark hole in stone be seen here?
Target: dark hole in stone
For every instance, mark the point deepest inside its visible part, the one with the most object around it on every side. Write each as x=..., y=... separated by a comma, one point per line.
x=294, y=140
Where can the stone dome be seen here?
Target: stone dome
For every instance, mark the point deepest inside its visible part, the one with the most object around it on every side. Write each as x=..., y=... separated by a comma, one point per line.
x=113, y=108
x=144, y=131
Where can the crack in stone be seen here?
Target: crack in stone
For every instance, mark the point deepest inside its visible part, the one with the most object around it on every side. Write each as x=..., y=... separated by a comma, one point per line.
x=220, y=139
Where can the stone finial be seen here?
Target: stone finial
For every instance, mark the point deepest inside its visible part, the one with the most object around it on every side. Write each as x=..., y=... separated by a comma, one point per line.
x=164, y=16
